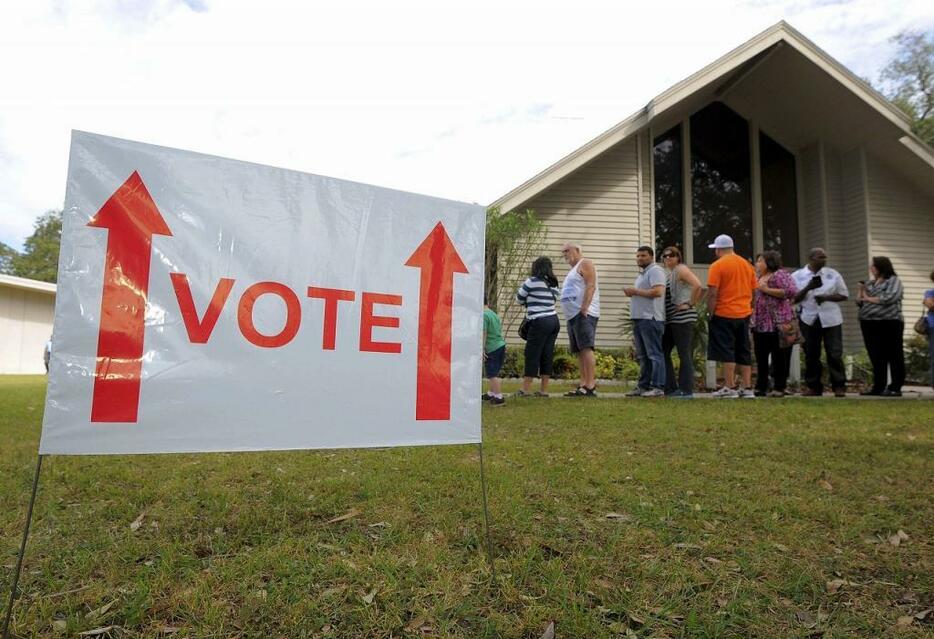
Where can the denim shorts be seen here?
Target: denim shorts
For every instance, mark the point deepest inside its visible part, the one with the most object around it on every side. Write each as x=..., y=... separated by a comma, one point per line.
x=494, y=362
x=582, y=332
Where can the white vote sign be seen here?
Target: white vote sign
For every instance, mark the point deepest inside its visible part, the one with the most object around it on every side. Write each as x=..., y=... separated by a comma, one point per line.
x=206, y=304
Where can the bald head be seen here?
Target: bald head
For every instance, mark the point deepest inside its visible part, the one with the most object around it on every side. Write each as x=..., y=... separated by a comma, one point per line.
x=817, y=259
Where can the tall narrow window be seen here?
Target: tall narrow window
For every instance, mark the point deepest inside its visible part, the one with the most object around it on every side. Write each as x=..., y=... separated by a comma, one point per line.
x=669, y=190
x=779, y=200
x=720, y=185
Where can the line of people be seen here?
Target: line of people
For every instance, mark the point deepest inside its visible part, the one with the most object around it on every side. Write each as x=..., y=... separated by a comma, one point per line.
x=762, y=309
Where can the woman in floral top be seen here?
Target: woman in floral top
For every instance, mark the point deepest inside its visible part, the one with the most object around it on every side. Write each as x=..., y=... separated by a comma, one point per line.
x=771, y=308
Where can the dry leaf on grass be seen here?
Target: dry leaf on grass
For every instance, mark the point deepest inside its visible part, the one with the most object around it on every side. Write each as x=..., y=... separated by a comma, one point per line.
x=99, y=612
x=350, y=514
x=368, y=598
x=59, y=625
x=905, y=621
x=618, y=517
x=137, y=522
x=835, y=585
x=549, y=631
x=97, y=632
x=898, y=538
x=806, y=619
x=826, y=485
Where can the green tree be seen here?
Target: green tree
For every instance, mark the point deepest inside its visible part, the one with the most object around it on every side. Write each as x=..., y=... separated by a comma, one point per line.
x=6, y=259
x=908, y=80
x=513, y=240
x=39, y=259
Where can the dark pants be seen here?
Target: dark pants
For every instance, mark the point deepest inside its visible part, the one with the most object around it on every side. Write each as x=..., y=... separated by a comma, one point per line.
x=680, y=336
x=884, y=341
x=832, y=339
x=931, y=352
x=767, y=346
x=540, y=345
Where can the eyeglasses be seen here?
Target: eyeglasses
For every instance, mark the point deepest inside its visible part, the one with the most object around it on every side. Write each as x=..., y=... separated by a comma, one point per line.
x=667, y=255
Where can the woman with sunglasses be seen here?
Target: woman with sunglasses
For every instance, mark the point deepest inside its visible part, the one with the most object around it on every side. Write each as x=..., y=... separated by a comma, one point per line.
x=682, y=292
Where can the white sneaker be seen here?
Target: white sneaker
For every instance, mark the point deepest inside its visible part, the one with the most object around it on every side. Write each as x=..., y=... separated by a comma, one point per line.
x=653, y=392
x=747, y=393
x=725, y=393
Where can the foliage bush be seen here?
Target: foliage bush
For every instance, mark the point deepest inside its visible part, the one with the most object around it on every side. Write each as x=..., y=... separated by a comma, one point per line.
x=917, y=367
x=611, y=364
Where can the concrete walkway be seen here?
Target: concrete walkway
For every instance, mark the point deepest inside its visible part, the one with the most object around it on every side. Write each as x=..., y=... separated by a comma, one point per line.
x=908, y=392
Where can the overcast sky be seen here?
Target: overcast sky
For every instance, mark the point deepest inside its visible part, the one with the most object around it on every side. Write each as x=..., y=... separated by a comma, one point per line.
x=463, y=100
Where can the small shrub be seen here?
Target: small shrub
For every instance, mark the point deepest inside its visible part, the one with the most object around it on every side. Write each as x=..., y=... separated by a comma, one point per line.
x=607, y=365
x=514, y=366
x=917, y=368
x=565, y=364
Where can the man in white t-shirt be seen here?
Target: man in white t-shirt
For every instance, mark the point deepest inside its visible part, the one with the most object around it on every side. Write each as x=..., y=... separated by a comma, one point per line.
x=820, y=291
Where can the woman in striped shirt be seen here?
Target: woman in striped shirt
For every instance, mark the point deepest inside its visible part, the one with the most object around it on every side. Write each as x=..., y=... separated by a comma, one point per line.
x=538, y=294
x=682, y=292
x=883, y=327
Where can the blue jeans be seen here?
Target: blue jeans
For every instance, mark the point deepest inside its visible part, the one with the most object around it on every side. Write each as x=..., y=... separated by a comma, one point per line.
x=648, y=344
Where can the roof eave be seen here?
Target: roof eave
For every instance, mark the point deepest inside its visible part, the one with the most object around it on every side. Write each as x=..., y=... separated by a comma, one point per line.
x=779, y=32
x=27, y=284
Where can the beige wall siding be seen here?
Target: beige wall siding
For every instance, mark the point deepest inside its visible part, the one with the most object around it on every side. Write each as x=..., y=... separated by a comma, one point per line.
x=598, y=205
x=25, y=326
x=851, y=246
x=901, y=226
x=812, y=218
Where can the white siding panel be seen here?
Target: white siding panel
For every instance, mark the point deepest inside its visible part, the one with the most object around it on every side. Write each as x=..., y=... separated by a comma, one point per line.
x=25, y=325
x=901, y=226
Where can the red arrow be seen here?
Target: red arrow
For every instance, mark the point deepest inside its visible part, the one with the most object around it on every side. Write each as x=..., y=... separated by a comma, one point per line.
x=438, y=260
x=132, y=219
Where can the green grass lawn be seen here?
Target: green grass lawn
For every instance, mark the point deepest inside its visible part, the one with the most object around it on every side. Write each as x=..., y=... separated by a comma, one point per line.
x=726, y=519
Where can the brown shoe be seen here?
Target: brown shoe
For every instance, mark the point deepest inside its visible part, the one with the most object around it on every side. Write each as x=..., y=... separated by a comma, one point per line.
x=810, y=392
x=839, y=392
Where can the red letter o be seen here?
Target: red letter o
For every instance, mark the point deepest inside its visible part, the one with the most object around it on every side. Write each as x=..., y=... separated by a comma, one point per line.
x=293, y=316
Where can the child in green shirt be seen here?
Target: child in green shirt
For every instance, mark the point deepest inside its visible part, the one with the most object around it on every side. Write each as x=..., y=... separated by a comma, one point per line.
x=494, y=354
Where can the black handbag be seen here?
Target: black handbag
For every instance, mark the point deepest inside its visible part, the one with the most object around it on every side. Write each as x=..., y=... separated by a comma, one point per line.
x=524, y=329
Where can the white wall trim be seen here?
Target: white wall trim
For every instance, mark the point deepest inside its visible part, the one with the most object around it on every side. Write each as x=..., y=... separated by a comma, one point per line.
x=687, y=191
x=641, y=194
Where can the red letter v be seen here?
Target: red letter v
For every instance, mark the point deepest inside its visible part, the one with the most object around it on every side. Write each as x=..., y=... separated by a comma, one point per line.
x=200, y=330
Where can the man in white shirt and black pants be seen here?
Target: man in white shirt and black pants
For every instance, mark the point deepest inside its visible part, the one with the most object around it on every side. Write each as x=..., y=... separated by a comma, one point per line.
x=820, y=290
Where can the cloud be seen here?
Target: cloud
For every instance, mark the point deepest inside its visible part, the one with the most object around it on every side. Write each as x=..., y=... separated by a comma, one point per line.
x=459, y=99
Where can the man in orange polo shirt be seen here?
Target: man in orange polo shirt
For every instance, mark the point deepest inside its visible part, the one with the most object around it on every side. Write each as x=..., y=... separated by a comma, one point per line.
x=730, y=282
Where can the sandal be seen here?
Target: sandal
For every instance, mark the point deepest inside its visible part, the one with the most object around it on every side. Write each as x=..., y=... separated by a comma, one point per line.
x=540, y=394
x=521, y=393
x=580, y=391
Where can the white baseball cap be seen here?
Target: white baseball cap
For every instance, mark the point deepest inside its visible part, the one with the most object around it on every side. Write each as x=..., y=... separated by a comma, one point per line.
x=722, y=241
